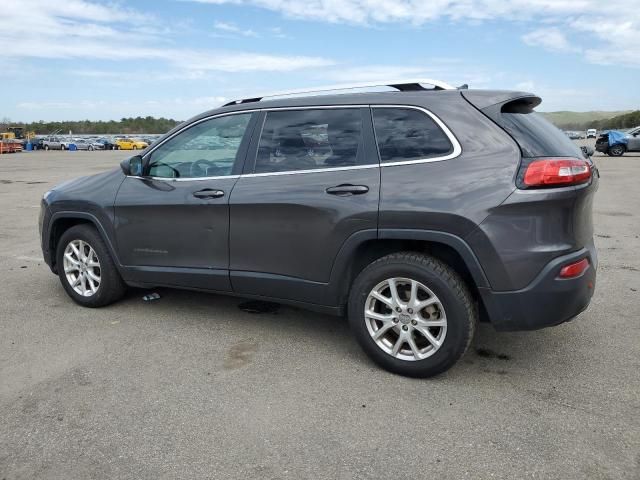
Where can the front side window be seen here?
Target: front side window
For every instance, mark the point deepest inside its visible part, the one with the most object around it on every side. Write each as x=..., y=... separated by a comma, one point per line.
x=405, y=134
x=208, y=149
x=309, y=139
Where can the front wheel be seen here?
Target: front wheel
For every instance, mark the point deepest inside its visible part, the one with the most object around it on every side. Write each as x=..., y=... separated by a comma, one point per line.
x=412, y=314
x=86, y=269
x=616, y=150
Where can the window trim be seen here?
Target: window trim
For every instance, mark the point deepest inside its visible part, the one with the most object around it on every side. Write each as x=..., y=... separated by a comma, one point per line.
x=457, y=149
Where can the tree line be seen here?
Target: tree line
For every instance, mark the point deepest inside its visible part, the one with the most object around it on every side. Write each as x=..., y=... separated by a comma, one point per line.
x=627, y=120
x=137, y=125
x=619, y=122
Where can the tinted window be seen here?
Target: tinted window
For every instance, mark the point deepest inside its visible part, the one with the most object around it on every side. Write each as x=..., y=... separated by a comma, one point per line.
x=406, y=134
x=536, y=136
x=208, y=149
x=309, y=139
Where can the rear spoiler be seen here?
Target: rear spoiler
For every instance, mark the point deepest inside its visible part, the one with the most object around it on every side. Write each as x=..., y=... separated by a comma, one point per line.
x=494, y=102
x=484, y=99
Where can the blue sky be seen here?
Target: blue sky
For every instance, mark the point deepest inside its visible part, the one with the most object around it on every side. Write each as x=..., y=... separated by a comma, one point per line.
x=93, y=59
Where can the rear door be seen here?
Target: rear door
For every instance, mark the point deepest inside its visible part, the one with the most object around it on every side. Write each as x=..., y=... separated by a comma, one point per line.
x=172, y=223
x=313, y=181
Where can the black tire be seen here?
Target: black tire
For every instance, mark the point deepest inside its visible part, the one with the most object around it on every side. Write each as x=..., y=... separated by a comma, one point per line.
x=46, y=147
x=616, y=150
x=90, y=148
x=134, y=148
x=445, y=283
x=62, y=147
x=111, y=286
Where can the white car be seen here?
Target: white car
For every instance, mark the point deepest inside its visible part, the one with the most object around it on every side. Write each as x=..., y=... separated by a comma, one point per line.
x=592, y=133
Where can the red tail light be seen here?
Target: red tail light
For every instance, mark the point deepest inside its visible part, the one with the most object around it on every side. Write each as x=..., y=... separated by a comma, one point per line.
x=556, y=172
x=574, y=269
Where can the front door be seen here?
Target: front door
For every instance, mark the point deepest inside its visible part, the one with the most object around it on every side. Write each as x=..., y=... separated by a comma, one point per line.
x=313, y=182
x=172, y=223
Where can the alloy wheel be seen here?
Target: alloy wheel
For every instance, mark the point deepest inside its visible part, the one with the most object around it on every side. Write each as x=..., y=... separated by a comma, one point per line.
x=405, y=319
x=82, y=268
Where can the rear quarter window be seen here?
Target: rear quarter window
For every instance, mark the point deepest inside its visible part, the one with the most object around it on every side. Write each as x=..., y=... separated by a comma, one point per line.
x=405, y=134
x=536, y=136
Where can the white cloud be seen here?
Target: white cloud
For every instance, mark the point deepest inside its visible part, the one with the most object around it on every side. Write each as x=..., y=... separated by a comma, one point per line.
x=232, y=28
x=613, y=30
x=83, y=29
x=549, y=38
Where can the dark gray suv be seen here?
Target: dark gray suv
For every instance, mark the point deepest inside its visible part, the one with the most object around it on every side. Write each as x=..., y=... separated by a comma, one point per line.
x=417, y=212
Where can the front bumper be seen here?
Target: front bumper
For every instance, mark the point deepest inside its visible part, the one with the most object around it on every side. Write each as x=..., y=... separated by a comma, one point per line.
x=548, y=300
x=43, y=227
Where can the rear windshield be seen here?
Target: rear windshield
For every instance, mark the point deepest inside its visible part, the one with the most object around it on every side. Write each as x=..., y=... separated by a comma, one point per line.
x=536, y=136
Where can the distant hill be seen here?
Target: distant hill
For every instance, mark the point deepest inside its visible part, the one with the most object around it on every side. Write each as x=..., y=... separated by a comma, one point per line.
x=580, y=120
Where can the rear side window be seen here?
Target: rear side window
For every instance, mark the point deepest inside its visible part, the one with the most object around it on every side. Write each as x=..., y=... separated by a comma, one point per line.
x=405, y=134
x=309, y=139
x=536, y=136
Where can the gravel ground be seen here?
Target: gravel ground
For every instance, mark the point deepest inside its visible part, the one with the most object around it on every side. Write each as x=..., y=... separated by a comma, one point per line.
x=190, y=386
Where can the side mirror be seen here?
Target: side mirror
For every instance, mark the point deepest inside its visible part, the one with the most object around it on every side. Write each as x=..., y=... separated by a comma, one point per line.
x=132, y=166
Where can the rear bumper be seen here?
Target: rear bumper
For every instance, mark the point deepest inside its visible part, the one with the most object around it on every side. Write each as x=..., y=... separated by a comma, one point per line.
x=548, y=300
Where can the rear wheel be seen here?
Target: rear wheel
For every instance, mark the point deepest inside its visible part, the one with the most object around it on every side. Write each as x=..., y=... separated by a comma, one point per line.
x=616, y=150
x=86, y=269
x=412, y=314
x=46, y=147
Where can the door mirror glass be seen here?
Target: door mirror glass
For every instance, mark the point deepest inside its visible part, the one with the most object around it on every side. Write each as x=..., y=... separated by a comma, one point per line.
x=132, y=166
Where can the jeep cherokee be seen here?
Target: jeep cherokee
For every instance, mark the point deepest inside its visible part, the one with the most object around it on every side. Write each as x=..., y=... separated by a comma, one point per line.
x=417, y=212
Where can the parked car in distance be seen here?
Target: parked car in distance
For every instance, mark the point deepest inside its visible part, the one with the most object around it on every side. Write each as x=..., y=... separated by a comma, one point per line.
x=52, y=143
x=592, y=133
x=65, y=142
x=130, y=144
x=85, y=144
x=370, y=204
x=36, y=143
x=107, y=144
x=632, y=138
x=574, y=135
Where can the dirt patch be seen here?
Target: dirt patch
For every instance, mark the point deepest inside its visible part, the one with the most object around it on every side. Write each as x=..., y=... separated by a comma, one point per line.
x=240, y=355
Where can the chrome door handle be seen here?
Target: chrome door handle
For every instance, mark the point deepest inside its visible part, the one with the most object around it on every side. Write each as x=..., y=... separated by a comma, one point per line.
x=346, y=190
x=208, y=193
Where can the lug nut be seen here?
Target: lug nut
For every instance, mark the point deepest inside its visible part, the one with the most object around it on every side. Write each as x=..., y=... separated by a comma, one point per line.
x=395, y=320
x=414, y=322
x=398, y=309
x=404, y=327
x=410, y=310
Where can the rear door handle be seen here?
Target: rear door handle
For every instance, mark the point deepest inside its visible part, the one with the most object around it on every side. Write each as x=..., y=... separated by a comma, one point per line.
x=346, y=190
x=208, y=193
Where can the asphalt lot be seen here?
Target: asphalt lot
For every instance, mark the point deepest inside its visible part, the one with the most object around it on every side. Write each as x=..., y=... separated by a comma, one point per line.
x=190, y=386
